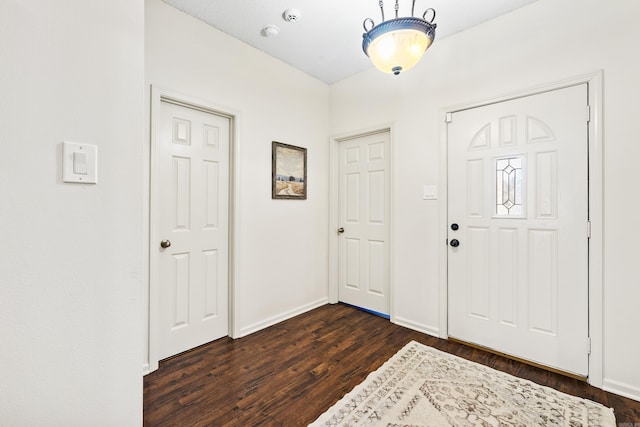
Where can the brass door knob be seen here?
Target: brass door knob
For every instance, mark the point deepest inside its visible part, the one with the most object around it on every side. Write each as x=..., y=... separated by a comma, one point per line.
x=165, y=244
x=340, y=230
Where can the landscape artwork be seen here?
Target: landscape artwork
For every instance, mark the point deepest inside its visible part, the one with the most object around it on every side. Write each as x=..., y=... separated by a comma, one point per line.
x=288, y=171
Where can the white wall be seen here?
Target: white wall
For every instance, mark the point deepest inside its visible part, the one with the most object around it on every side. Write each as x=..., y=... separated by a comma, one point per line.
x=282, y=244
x=70, y=255
x=541, y=43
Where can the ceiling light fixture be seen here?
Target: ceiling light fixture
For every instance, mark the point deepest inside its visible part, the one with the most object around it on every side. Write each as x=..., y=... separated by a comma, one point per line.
x=398, y=44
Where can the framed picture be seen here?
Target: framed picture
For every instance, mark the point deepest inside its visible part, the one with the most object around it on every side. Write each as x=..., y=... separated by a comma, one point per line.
x=288, y=171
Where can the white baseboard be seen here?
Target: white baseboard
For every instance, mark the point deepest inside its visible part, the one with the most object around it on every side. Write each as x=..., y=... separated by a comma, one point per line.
x=622, y=389
x=247, y=330
x=425, y=329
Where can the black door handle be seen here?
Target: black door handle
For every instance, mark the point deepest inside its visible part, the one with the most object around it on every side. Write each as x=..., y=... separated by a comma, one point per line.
x=455, y=243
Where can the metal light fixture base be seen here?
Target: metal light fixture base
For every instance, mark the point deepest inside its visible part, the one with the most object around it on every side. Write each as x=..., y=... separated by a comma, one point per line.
x=398, y=44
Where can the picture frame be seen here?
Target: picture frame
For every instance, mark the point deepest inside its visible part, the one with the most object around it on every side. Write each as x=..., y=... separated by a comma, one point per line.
x=288, y=171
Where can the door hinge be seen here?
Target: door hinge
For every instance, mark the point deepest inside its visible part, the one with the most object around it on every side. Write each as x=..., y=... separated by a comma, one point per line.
x=588, y=113
x=588, y=229
x=448, y=118
x=588, y=345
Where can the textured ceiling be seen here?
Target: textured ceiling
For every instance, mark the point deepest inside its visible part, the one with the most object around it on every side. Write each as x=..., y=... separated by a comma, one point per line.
x=326, y=41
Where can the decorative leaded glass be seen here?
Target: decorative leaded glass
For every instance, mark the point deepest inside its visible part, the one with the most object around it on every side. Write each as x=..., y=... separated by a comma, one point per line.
x=509, y=186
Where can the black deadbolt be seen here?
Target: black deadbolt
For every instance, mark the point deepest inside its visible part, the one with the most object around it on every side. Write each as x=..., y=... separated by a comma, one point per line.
x=454, y=226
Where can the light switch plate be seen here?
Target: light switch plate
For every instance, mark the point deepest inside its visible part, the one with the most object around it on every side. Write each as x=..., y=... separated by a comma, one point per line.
x=430, y=192
x=79, y=163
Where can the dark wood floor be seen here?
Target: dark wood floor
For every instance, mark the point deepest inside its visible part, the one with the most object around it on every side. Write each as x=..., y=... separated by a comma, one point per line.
x=290, y=373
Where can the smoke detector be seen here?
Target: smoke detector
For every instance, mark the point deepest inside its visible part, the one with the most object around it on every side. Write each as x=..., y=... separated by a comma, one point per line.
x=270, y=31
x=291, y=15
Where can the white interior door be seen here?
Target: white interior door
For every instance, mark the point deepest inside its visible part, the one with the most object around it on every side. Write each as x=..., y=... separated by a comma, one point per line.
x=518, y=213
x=363, y=247
x=192, y=237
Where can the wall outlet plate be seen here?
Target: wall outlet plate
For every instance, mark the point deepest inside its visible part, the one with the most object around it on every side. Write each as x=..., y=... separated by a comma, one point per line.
x=79, y=163
x=430, y=192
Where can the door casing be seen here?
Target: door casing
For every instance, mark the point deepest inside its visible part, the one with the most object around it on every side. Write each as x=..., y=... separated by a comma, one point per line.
x=595, y=155
x=151, y=296
x=334, y=141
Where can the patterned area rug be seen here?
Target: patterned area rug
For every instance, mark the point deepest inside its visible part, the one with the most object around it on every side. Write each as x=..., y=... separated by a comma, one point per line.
x=422, y=386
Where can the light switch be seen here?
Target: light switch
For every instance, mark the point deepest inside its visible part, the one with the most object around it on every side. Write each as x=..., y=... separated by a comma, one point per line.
x=430, y=192
x=79, y=163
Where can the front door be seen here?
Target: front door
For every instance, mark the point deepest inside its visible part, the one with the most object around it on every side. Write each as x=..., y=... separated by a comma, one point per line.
x=363, y=247
x=192, y=236
x=518, y=228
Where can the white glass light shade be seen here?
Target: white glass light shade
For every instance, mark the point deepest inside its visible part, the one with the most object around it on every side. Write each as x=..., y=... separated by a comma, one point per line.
x=398, y=50
x=398, y=44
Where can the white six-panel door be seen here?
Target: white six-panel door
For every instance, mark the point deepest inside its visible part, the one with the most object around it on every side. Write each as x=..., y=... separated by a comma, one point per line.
x=363, y=210
x=192, y=186
x=518, y=227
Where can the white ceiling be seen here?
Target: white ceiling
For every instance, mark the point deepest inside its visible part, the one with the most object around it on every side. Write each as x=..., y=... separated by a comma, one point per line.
x=326, y=41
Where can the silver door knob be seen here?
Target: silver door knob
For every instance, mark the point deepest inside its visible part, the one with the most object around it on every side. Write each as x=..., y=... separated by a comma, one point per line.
x=340, y=230
x=165, y=244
